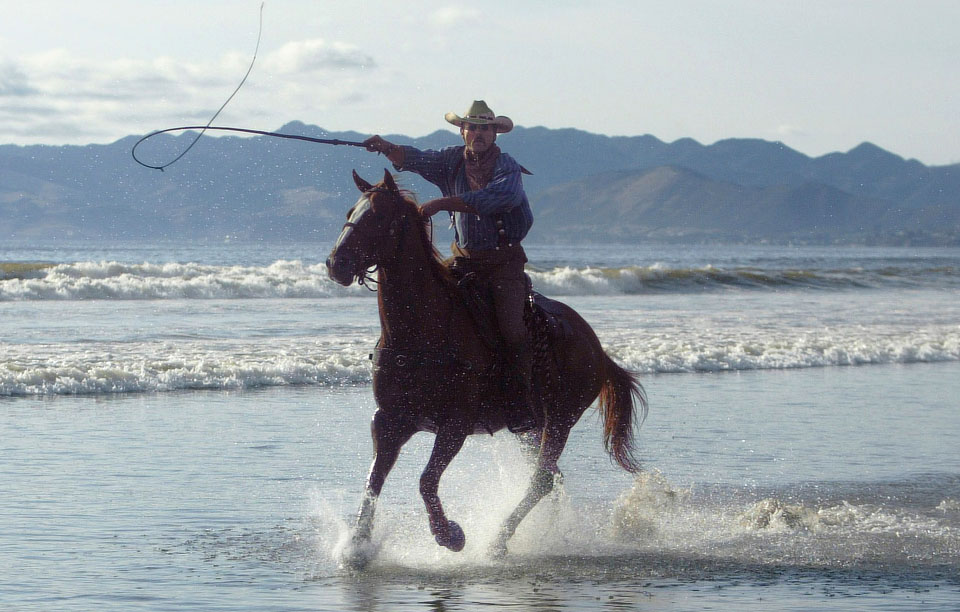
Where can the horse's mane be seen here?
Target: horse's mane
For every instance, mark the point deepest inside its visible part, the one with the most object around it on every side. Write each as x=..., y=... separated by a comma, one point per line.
x=408, y=200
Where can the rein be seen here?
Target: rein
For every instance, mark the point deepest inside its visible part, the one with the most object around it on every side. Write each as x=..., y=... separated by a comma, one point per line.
x=397, y=230
x=364, y=277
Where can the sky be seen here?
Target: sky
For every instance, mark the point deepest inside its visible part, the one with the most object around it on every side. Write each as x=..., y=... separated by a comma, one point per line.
x=818, y=75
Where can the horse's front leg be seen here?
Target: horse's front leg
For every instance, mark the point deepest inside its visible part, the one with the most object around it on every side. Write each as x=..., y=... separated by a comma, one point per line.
x=447, y=444
x=389, y=434
x=554, y=438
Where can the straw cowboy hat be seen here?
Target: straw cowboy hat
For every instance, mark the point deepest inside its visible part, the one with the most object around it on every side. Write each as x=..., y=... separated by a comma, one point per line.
x=480, y=114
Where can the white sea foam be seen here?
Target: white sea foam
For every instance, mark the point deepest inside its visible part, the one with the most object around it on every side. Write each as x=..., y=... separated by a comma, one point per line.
x=639, y=512
x=777, y=515
x=721, y=350
x=296, y=279
x=628, y=280
x=660, y=278
x=653, y=516
x=164, y=366
x=170, y=365
x=149, y=281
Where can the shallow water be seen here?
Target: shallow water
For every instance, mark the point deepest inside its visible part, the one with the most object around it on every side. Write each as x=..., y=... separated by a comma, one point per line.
x=779, y=490
x=185, y=426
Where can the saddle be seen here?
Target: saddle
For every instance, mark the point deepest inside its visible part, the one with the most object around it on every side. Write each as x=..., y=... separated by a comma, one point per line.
x=542, y=316
x=546, y=329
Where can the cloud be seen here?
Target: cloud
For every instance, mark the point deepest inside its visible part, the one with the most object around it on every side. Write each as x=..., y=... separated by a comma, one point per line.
x=452, y=15
x=58, y=74
x=13, y=81
x=786, y=130
x=306, y=56
x=87, y=100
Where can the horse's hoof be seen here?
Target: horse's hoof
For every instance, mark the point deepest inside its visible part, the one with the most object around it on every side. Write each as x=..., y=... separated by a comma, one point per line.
x=498, y=550
x=356, y=558
x=358, y=553
x=455, y=539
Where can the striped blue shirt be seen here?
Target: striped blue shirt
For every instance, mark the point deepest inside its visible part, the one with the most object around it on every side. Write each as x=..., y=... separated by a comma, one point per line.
x=502, y=196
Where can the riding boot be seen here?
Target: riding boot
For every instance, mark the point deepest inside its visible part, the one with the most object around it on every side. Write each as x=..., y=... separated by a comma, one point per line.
x=525, y=415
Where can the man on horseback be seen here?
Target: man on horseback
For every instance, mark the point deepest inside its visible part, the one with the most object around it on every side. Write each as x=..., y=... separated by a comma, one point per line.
x=483, y=192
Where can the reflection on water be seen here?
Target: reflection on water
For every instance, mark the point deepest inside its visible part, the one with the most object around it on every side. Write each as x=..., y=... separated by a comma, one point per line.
x=640, y=582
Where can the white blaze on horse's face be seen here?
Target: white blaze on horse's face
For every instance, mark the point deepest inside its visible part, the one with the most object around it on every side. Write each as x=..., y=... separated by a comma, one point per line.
x=359, y=209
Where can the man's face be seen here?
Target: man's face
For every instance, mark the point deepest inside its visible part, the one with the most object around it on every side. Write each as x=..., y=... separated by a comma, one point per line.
x=478, y=138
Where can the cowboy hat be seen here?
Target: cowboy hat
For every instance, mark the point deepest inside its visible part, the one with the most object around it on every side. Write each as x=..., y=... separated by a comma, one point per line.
x=480, y=114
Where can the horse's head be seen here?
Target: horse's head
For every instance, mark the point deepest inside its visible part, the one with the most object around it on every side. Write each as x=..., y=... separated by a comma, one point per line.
x=373, y=224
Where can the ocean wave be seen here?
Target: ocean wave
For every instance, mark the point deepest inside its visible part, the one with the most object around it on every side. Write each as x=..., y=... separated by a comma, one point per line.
x=135, y=367
x=758, y=349
x=20, y=270
x=658, y=278
x=29, y=370
x=111, y=280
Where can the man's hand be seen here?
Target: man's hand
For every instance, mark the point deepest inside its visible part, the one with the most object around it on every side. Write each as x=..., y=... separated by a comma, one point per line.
x=428, y=209
x=376, y=144
x=453, y=204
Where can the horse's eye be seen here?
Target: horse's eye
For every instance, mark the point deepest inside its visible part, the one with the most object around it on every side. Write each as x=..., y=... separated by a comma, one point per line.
x=350, y=213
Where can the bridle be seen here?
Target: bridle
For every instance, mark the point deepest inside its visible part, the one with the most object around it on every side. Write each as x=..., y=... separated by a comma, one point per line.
x=395, y=233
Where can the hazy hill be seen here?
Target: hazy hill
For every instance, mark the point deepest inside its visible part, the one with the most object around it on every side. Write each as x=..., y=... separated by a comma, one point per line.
x=674, y=203
x=583, y=185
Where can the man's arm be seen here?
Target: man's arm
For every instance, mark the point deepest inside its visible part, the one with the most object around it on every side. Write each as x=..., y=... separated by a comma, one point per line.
x=453, y=204
x=377, y=144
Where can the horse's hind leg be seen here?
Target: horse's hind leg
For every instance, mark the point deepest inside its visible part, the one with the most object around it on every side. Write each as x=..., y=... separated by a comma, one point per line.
x=555, y=434
x=447, y=444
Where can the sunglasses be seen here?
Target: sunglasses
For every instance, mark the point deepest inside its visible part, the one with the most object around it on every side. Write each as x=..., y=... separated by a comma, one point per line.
x=471, y=127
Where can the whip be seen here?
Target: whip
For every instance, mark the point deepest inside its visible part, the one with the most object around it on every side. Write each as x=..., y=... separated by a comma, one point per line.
x=209, y=126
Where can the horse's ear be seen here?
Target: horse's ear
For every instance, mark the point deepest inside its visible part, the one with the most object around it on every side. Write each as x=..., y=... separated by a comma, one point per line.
x=389, y=182
x=362, y=185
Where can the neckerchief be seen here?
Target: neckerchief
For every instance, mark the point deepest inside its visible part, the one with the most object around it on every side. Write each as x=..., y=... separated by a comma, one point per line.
x=479, y=167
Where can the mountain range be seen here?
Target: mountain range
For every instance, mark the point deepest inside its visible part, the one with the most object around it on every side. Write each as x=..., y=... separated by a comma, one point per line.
x=584, y=187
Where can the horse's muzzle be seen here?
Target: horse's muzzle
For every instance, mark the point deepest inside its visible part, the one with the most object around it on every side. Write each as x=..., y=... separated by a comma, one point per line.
x=340, y=270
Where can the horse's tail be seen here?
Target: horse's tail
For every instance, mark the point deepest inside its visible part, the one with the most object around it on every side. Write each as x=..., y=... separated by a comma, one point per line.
x=620, y=397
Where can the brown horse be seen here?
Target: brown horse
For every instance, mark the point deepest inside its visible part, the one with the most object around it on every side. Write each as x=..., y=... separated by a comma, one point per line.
x=433, y=367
